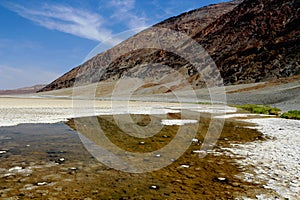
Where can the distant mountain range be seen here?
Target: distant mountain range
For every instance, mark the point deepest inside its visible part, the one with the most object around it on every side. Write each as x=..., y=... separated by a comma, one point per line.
x=25, y=90
x=249, y=40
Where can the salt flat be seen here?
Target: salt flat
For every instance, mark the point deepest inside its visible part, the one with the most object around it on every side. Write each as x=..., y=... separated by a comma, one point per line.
x=16, y=111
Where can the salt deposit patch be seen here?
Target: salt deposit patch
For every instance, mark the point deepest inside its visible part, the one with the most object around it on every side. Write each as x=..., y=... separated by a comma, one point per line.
x=276, y=161
x=15, y=116
x=15, y=170
x=180, y=122
x=239, y=115
x=14, y=111
x=213, y=109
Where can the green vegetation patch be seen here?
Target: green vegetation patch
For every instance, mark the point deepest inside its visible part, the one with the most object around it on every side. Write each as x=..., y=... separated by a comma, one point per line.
x=260, y=109
x=292, y=114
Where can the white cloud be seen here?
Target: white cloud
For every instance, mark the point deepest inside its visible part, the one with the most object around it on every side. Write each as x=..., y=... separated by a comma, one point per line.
x=67, y=19
x=76, y=21
x=123, y=5
x=84, y=23
x=12, y=77
x=123, y=12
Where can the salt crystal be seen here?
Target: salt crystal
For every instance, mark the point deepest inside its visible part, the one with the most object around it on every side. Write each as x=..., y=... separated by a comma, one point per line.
x=42, y=183
x=198, y=151
x=195, y=140
x=16, y=169
x=185, y=166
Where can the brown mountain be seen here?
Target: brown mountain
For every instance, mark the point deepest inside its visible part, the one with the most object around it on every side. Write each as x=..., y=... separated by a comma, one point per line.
x=249, y=41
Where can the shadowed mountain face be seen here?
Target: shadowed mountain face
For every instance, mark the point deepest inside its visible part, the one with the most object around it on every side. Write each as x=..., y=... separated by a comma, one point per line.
x=249, y=41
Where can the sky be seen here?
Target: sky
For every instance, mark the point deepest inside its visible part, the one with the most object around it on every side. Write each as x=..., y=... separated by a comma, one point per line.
x=42, y=40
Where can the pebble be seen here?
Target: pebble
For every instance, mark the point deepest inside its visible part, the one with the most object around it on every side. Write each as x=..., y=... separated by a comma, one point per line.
x=228, y=187
x=60, y=161
x=141, y=143
x=154, y=187
x=3, y=152
x=235, y=184
x=157, y=155
x=221, y=178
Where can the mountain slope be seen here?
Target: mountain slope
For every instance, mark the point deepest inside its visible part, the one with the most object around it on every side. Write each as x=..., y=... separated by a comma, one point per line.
x=250, y=41
x=258, y=40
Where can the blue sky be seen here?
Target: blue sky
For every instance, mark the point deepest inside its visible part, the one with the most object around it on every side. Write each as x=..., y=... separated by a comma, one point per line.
x=41, y=40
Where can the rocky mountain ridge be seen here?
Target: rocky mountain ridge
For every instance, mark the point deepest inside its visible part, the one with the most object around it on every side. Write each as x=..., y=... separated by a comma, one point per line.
x=249, y=41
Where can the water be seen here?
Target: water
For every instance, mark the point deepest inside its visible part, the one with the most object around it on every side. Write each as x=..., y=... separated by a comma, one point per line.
x=50, y=161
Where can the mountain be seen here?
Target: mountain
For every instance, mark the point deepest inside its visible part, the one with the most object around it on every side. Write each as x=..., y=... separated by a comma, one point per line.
x=249, y=41
x=25, y=90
